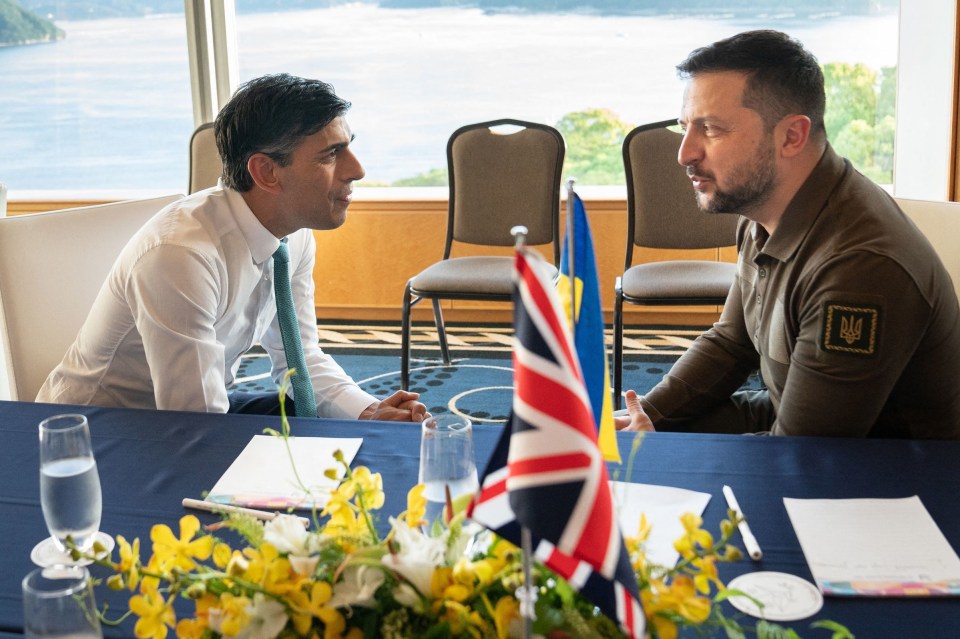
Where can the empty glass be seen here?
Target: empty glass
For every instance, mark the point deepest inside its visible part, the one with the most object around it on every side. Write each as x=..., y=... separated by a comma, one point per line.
x=446, y=460
x=69, y=488
x=58, y=603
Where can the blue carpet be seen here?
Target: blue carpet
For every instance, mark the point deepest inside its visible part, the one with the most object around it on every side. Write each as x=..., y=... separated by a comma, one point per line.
x=479, y=381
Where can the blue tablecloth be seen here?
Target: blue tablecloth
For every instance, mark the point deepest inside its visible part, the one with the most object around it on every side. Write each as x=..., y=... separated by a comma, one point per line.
x=150, y=460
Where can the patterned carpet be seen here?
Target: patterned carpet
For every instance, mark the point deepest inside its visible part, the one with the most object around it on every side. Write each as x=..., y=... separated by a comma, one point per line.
x=479, y=380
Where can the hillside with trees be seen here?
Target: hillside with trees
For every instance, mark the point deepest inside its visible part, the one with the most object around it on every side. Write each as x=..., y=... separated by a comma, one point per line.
x=19, y=26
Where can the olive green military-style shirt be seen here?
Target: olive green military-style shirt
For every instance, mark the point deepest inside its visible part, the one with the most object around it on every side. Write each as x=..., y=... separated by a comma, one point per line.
x=846, y=310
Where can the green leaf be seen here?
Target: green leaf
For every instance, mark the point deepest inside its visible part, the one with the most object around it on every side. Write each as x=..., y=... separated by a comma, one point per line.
x=767, y=630
x=839, y=630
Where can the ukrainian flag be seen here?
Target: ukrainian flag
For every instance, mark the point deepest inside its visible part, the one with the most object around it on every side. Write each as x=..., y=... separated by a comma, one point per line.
x=588, y=329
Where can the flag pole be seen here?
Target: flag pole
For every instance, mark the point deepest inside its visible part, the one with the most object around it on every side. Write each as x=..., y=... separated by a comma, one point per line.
x=571, y=262
x=527, y=593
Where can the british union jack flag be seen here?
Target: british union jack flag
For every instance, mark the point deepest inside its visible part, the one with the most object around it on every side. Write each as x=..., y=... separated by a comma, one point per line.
x=547, y=472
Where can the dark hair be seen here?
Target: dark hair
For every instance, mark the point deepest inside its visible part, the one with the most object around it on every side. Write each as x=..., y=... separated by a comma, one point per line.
x=783, y=78
x=271, y=115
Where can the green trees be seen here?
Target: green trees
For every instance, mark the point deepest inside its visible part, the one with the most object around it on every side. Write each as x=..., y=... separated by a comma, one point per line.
x=861, y=105
x=593, y=139
x=860, y=115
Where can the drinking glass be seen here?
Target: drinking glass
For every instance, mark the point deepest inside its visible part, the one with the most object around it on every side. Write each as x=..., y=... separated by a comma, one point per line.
x=58, y=603
x=446, y=460
x=69, y=488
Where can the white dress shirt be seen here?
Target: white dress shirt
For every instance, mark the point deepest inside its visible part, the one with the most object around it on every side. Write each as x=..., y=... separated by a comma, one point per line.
x=190, y=293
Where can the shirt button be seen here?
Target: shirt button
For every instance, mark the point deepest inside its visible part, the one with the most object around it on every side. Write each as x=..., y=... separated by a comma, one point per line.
x=763, y=272
x=758, y=298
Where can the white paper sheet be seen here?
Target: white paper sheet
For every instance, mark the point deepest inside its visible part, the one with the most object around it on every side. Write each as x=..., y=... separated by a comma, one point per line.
x=663, y=506
x=263, y=477
x=874, y=547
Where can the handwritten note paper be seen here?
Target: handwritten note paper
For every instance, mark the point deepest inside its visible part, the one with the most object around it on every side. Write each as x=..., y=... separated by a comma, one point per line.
x=262, y=476
x=663, y=506
x=874, y=547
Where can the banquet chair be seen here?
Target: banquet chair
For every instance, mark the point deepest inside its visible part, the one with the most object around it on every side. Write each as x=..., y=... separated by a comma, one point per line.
x=205, y=164
x=497, y=180
x=940, y=223
x=662, y=213
x=51, y=267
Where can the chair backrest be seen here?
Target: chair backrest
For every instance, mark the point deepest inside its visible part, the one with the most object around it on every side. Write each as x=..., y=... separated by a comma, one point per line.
x=940, y=222
x=499, y=180
x=662, y=209
x=51, y=267
x=205, y=164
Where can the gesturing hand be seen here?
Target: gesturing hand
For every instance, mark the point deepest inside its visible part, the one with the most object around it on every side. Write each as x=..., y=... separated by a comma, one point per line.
x=637, y=420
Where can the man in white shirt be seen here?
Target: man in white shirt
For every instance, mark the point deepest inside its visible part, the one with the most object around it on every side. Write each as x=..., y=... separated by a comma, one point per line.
x=193, y=289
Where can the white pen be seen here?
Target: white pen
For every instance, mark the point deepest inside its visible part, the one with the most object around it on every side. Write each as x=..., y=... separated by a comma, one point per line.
x=212, y=507
x=749, y=541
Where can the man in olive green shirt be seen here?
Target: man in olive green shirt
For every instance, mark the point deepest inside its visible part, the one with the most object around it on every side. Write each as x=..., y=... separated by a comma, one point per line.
x=839, y=300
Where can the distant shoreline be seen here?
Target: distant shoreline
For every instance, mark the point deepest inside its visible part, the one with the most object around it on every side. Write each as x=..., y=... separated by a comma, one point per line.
x=47, y=40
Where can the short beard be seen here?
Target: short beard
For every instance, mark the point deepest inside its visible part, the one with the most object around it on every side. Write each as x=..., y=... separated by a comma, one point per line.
x=753, y=187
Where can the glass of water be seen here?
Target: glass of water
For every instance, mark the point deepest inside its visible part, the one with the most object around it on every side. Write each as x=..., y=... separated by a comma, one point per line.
x=58, y=603
x=69, y=488
x=446, y=460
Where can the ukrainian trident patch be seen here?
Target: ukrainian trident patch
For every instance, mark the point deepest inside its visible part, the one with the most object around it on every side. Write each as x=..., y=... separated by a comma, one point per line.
x=849, y=328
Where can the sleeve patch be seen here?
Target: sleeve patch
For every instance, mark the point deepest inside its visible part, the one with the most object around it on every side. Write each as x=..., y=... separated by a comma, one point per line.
x=850, y=329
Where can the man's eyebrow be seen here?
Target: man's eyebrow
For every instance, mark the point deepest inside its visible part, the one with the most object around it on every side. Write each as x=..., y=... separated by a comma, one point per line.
x=336, y=146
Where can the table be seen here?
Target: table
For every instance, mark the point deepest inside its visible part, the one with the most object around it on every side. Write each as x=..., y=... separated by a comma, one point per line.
x=150, y=460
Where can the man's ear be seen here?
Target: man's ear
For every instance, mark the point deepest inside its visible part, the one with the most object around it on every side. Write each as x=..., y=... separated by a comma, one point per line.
x=263, y=171
x=794, y=134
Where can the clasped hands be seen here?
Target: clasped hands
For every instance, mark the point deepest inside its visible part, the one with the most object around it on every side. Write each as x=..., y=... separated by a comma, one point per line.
x=402, y=406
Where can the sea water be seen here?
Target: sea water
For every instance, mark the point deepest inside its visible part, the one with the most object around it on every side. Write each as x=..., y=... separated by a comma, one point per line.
x=435, y=492
x=71, y=499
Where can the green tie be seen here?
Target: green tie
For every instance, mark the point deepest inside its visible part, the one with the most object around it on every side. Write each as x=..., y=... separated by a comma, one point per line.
x=306, y=402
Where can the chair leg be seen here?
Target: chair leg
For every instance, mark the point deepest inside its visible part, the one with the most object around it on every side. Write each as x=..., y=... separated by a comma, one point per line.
x=405, y=337
x=617, y=345
x=441, y=331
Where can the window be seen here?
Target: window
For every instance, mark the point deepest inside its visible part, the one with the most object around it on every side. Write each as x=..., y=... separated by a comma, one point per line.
x=107, y=109
x=416, y=74
x=103, y=110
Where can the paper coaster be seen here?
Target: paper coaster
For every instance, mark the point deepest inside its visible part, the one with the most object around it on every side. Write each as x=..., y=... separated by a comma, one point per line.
x=785, y=597
x=46, y=552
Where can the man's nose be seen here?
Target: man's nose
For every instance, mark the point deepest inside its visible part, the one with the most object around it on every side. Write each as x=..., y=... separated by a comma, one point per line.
x=690, y=151
x=353, y=170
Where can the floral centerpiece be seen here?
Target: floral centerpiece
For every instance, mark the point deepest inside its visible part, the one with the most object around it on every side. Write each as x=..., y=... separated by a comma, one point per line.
x=445, y=579
x=442, y=579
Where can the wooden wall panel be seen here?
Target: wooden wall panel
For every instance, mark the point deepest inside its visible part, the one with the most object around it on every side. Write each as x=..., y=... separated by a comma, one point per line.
x=363, y=266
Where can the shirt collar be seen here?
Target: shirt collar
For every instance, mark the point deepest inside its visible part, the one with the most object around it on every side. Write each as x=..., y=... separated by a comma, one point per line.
x=806, y=206
x=262, y=242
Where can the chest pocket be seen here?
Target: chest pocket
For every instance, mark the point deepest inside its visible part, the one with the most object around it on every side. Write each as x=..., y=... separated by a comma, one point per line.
x=778, y=348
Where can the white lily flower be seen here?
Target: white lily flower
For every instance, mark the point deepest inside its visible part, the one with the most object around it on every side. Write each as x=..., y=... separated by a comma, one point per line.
x=267, y=619
x=304, y=566
x=287, y=534
x=357, y=587
x=418, y=556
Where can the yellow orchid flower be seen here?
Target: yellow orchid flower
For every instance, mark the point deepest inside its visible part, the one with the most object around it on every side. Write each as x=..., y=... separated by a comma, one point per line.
x=221, y=555
x=416, y=506
x=309, y=603
x=268, y=569
x=129, y=565
x=233, y=614
x=155, y=614
x=195, y=628
x=506, y=612
x=463, y=619
x=707, y=574
x=170, y=551
x=691, y=525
